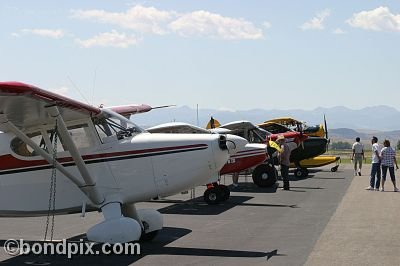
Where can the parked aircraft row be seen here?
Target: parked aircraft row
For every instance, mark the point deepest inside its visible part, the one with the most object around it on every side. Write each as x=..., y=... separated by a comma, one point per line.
x=100, y=160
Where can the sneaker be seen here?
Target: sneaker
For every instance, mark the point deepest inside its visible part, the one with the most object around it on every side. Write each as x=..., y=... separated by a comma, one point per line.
x=396, y=189
x=377, y=189
x=369, y=188
x=359, y=173
x=382, y=190
x=355, y=173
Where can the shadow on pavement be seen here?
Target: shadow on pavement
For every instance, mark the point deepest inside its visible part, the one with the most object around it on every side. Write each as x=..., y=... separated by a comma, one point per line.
x=157, y=247
x=199, y=207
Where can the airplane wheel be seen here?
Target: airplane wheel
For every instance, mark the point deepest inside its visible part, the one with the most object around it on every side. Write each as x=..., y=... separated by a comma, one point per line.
x=298, y=173
x=334, y=169
x=149, y=236
x=264, y=175
x=225, y=192
x=212, y=196
x=305, y=172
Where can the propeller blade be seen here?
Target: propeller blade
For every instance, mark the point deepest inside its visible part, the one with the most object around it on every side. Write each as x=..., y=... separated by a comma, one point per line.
x=326, y=128
x=326, y=133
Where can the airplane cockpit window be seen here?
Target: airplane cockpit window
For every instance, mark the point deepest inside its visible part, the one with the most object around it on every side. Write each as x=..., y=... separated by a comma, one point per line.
x=80, y=135
x=21, y=148
x=112, y=126
x=258, y=135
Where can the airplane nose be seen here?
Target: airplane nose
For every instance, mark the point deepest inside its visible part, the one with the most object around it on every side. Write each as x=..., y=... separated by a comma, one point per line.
x=235, y=143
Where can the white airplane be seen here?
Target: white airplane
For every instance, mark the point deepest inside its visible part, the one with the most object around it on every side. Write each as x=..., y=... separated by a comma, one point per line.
x=248, y=156
x=95, y=159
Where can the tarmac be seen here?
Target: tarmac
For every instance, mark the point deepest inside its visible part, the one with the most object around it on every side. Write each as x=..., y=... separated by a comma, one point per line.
x=326, y=219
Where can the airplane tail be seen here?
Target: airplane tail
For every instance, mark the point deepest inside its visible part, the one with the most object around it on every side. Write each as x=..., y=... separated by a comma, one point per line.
x=213, y=123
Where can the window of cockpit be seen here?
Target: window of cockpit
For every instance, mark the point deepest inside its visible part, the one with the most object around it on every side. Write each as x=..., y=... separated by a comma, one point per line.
x=23, y=149
x=113, y=129
x=80, y=135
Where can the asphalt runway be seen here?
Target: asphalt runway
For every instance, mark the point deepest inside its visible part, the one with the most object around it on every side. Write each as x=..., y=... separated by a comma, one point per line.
x=255, y=227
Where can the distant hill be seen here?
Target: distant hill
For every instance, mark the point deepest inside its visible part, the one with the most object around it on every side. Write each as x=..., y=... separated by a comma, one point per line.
x=369, y=119
x=349, y=135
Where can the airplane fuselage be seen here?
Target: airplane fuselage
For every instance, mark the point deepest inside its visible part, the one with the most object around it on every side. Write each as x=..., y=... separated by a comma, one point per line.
x=132, y=169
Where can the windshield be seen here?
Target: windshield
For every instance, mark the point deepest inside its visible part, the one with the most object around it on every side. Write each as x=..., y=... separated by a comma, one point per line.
x=111, y=125
x=259, y=135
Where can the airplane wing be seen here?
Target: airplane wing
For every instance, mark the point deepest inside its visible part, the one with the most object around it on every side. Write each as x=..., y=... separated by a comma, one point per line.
x=177, y=127
x=24, y=105
x=238, y=125
x=132, y=109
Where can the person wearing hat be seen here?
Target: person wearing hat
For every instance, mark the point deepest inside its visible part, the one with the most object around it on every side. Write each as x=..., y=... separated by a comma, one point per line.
x=284, y=158
x=375, y=178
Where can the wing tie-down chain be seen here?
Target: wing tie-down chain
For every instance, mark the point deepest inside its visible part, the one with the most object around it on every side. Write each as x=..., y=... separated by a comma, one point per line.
x=52, y=193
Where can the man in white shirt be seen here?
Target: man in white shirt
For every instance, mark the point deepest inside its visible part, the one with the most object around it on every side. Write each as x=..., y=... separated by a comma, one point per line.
x=357, y=156
x=376, y=165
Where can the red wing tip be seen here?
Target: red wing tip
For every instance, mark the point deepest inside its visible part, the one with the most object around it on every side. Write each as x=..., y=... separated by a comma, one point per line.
x=15, y=84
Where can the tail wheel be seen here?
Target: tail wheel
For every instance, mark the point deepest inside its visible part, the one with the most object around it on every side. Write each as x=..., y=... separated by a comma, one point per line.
x=212, y=196
x=334, y=169
x=264, y=175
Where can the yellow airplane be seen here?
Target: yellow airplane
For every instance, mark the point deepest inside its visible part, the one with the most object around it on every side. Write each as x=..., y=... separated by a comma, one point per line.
x=296, y=125
x=284, y=124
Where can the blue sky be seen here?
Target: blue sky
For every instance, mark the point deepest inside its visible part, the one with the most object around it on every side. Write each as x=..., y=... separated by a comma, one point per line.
x=226, y=54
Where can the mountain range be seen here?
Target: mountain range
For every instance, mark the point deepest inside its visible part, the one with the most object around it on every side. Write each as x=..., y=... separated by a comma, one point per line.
x=366, y=120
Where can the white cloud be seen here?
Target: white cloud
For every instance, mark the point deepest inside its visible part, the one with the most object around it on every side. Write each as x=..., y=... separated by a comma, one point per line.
x=267, y=25
x=204, y=23
x=317, y=22
x=55, y=34
x=338, y=31
x=152, y=20
x=378, y=19
x=139, y=18
x=109, y=39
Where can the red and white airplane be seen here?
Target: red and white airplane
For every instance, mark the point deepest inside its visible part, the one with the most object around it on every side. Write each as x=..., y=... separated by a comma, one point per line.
x=98, y=160
x=250, y=155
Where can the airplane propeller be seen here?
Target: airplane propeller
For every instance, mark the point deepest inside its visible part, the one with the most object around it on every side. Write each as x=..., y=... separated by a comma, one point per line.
x=326, y=133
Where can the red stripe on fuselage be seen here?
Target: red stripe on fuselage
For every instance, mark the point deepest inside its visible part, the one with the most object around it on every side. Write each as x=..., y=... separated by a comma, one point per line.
x=9, y=162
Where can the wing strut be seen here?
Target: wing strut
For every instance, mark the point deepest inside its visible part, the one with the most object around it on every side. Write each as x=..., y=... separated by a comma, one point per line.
x=89, y=187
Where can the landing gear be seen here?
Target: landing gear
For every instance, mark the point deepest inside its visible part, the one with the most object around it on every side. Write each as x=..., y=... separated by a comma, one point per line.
x=216, y=193
x=335, y=168
x=147, y=237
x=151, y=221
x=264, y=175
x=301, y=172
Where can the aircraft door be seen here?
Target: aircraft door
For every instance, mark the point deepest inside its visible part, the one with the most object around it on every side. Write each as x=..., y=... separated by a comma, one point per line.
x=85, y=140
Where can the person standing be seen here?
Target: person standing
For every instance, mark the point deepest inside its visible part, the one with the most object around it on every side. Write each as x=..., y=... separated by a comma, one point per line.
x=375, y=178
x=357, y=156
x=284, y=158
x=388, y=156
